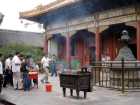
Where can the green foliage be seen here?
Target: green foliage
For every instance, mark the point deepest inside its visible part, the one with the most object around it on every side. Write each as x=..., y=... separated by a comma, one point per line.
x=36, y=53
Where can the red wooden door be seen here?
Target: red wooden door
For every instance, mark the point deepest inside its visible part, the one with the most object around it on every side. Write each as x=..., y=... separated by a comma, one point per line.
x=82, y=52
x=79, y=51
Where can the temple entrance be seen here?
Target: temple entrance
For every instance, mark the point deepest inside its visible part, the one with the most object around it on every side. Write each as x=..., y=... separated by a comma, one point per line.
x=57, y=46
x=82, y=44
x=111, y=39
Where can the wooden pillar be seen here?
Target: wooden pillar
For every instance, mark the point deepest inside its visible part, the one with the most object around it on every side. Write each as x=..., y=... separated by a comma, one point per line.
x=68, y=55
x=138, y=40
x=45, y=46
x=98, y=44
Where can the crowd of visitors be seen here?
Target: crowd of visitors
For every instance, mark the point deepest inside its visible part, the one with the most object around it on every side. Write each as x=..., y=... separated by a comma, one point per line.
x=15, y=70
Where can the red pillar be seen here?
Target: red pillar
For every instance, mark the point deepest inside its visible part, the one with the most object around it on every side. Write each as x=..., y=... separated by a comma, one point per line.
x=98, y=44
x=138, y=40
x=68, y=49
x=46, y=46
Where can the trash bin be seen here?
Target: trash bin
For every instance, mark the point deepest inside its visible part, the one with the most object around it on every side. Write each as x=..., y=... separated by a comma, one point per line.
x=48, y=87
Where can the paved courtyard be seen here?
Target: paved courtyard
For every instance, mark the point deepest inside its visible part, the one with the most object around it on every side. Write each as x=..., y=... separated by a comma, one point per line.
x=100, y=96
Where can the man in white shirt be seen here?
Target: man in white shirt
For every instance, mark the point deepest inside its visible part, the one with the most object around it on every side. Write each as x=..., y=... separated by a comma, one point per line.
x=8, y=78
x=45, y=64
x=16, y=65
x=1, y=73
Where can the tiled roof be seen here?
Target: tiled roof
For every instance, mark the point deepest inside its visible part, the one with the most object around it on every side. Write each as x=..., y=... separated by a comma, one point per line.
x=46, y=8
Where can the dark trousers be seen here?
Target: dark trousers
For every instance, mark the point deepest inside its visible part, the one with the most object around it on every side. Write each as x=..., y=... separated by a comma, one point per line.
x=8, y=77
x=54, y=73
x=26, y=81
x=53, y=69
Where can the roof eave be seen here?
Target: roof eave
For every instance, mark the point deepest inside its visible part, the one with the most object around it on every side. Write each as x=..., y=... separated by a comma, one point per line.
x=45, y=9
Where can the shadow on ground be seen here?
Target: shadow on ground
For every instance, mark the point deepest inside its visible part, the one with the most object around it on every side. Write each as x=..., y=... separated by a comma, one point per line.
x=5, y=102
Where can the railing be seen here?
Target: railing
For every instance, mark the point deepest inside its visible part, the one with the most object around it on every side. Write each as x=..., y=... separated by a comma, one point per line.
x=120, y=75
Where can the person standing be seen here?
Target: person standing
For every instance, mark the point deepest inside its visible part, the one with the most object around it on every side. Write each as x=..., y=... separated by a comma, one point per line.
x=26, y=80
x=1, y=73
x=8, y=78
x=53, y=66
x=45, y=64
x=16, y=65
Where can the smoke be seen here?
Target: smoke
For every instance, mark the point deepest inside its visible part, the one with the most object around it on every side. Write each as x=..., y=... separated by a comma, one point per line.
x=83, y=8
x=67, y=13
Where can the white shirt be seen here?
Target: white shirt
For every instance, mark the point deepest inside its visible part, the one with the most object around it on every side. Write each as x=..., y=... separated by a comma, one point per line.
x=1, y=68
x=16, y=64
x=45, y=62
x=8, y=63
x=37, y=67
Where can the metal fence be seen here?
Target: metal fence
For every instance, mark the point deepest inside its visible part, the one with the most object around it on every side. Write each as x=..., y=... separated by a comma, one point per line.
x=120, y=75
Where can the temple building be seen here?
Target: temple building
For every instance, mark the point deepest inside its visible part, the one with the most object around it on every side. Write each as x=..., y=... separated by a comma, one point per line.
x=86, y=30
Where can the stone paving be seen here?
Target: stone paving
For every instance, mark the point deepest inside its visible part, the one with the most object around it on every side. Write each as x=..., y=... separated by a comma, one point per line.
x=100, y=96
